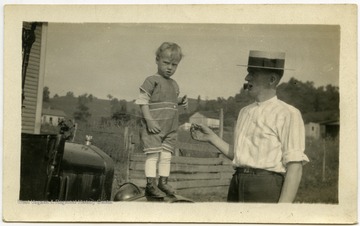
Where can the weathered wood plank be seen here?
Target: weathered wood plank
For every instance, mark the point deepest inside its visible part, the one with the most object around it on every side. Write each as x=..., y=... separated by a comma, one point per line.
x=187, y=168
x=226, y=175
x=223, y=190
x=183, y=160
x=201, y=183
x=196, y=147
x=180, y=176
x=187, y=184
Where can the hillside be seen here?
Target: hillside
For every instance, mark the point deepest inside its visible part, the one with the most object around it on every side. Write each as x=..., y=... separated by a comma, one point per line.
x=99, y=108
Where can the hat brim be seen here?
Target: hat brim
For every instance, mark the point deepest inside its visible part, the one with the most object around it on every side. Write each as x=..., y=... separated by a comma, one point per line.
x=285, y=69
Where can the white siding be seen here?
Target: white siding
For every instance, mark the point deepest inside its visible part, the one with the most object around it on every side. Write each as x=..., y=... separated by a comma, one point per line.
x=31, y=110
x=213, y=123
x=198, y=118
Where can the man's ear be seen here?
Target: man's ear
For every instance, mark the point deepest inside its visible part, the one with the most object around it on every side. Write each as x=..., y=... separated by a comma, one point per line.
x=274, y=79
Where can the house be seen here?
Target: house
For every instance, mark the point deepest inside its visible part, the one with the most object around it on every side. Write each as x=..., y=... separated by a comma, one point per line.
x=185, y=126
x=52, y=116
x=330, y=128
x=33, y=71
x=324, y=129
x=312, y=130
x=210, y=119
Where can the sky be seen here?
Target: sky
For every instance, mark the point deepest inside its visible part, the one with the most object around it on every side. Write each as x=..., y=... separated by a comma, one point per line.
x=115, y=58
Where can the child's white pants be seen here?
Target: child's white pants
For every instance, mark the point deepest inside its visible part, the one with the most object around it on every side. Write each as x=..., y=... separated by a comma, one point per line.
x=164, y=159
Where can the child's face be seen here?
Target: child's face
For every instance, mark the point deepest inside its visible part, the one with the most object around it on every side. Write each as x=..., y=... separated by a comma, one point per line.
x=167, y=64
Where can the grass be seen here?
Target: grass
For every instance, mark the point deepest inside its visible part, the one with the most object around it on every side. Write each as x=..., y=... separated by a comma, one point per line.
x=319, y=183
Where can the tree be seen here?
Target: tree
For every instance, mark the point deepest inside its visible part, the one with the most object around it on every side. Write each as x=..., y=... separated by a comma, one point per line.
x=56, y=95
x=91, y=97
x=70, y=94
x=82, y=114
x=332, y=93
x=46, y=94
x=301, y=95
x=307, y=98
x=119, y=109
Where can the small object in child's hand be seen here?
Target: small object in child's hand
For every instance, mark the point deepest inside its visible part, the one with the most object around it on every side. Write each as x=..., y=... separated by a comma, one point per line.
x=184, y=98
x=183, y=101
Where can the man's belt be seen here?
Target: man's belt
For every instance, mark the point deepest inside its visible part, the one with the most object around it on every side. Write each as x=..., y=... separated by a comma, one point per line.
x=248, y=170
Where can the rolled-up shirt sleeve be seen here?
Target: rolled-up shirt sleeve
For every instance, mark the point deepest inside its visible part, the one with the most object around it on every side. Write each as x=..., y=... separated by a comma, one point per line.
x=146, y=90
x=143, y=98
x=148, y=85
x=293, y=139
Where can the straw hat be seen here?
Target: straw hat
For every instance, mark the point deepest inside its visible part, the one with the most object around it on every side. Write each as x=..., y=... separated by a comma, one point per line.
x=266, y=60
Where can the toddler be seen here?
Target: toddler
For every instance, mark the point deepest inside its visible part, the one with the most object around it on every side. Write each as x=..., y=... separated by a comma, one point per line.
x=159, y=103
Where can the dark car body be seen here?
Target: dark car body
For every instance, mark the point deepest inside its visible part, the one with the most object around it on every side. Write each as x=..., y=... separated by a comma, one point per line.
x=54, y=169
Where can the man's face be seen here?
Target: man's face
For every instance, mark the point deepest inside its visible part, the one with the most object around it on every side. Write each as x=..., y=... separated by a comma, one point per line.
x=257, y=81
x=167, y=64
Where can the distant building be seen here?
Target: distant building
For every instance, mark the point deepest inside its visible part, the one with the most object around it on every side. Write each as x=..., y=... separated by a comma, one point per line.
x=210, y=119
x=52, y=116
x=185, y=126
x=323, y=129
x=330, y=128
x=312, y=130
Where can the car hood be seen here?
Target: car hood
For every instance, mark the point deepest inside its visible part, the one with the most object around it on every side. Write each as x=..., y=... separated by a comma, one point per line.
x=85, y=158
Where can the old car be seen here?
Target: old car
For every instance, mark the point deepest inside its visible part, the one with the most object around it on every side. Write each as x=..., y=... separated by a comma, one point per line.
x=54, y=169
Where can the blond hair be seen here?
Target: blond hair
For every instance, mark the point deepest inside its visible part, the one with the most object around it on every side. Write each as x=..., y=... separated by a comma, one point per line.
x=175, y=49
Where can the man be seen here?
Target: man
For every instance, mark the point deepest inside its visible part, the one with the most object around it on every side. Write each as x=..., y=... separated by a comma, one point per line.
x=268, y=151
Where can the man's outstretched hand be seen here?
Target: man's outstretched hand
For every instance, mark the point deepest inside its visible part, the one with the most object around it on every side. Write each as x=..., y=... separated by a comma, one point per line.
x=201, y=133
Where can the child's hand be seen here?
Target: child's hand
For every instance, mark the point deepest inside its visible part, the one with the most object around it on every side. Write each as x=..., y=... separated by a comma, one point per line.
x=153, y=126
x=184, y=102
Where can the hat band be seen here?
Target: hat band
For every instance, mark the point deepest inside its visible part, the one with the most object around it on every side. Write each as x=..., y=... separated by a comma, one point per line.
x=266, y=63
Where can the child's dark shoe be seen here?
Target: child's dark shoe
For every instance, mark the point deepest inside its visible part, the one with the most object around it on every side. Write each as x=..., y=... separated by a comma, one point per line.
x=165, y=187
x=151, y=190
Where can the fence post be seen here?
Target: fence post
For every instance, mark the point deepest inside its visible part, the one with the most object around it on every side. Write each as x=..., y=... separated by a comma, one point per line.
x=127, y=151
x=177, y=152
x=324, y=161
x=221, y=129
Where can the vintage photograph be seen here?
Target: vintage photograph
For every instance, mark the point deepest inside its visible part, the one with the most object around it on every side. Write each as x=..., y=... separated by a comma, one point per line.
x=124, y=114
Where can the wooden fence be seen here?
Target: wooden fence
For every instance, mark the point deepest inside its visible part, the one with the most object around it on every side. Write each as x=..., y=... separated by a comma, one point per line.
x=186, y=172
